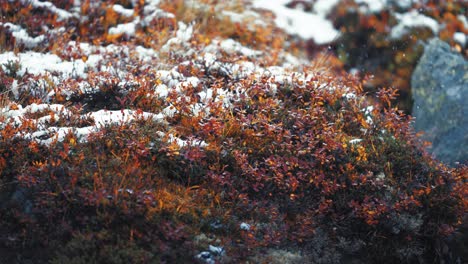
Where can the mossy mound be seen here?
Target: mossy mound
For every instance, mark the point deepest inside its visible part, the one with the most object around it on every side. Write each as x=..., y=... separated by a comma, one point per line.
x=178, y=145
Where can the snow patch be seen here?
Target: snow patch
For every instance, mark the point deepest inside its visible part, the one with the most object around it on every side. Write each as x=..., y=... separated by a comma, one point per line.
x=127, y=29
x=355, y=141
x=461, y=38
x=183, y=35
x=410, y=20
x=245, y=226
x=22, y=36
x=231, y=46
x=251, y=18
x=372, y=6
x=123, y=11
x=297, y=22
x=40, y=63
x=62, y=14
x=324, y=7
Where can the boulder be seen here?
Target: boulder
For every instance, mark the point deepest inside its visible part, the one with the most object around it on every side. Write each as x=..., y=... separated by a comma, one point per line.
x=440, y=93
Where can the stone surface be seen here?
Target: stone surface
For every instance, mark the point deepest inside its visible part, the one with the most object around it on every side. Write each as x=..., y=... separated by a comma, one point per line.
x=440, y=93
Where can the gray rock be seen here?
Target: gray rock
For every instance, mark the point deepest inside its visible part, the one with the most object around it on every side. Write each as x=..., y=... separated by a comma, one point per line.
x=440, y=93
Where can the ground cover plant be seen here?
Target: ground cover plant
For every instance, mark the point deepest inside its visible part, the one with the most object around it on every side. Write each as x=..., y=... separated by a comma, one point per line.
x=388, y=41
x=384, y=39
x=185, y=132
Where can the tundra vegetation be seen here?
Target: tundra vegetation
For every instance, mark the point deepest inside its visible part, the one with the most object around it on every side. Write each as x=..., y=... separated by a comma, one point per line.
x=189, y=137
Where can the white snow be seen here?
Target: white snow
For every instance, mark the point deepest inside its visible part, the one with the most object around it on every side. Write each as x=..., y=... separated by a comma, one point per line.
x=40, y=63
x=207, y=95
x=183, y=35
x=405, y=3
x=105, y=117
x=93, y=60
x=355, y=141
x=62, y=14
x=47, y=134
x=206, y=257
x=14, y=89
x=127, y=29
x=350, y=96
x=249, y=17
x=22, y=36
x=189, y=82
x=151, y=12
x=170, y=78
x=412, y=19
x=324, y=7
x=216, y=250
x=380, y=176
x=245, y=226
x=169, y=111
x=372, y=6
x=162, y=90
x=209, y=59
x=297, y=22
x=34, y=108
x=123, y=11
x=243, y=69
x=368, y=113
x=145, y=54
x=464, y=20
x=461, y=38
x=231, y=46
